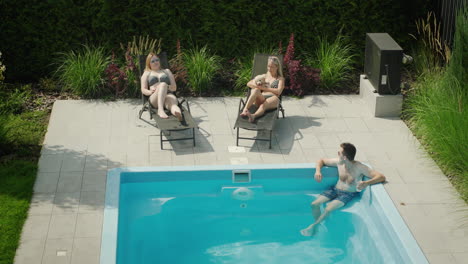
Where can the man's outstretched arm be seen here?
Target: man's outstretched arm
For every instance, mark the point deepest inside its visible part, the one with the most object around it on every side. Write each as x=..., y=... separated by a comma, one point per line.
x=320, y=164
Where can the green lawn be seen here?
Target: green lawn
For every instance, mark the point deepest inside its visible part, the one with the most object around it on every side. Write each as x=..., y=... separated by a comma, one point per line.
x=21, y=139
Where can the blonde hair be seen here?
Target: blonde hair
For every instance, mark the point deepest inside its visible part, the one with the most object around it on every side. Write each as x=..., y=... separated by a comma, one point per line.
x=276, y=61
x=148, y=61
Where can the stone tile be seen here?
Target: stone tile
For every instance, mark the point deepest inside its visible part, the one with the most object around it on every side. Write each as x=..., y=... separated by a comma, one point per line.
x=440, y=258
x=313, y=154
x=30, y=251
x=315, y=126
x=91, y=202
x=117, y=160
x=35, y=227
x=296, y=123
x=295, y=155
x=89, y=225
x=308, y=141
x=66, y=203
x=98, y=145
x=417, y=173
x=94, y=181
x=273, y=158
x=50, y=163
x=137, y=160
x=224, y=139
x=41, y=204
x=50, y=149
x=331, y=152
x=285, y=141
x=337, y=125
x=361, y=139
x=460, y=258
x=433, y=193
x=86, y=250
x=160, y=156
x=329, y=140
x=58, y=251
x=70, y=182
x=94, y=163
x=400, y=193
x=314, y=111
x=356, y=124
x=46, y=182
x=253, y=157
x=390, y=173
x=62, y=226
x=206, y=158
x=73, y=162
x=183, y=161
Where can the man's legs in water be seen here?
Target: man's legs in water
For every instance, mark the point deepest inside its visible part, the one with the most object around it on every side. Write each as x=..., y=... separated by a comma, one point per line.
x=319, y=217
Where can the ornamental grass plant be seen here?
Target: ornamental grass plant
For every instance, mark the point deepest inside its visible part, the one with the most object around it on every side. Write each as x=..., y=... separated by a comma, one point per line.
x=201, y=68
x=82, y=72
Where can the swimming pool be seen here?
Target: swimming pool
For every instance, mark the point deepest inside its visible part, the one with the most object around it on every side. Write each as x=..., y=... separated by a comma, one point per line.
x=245, y=214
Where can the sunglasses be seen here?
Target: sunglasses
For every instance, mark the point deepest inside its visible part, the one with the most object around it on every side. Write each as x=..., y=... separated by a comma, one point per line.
x=154, y=60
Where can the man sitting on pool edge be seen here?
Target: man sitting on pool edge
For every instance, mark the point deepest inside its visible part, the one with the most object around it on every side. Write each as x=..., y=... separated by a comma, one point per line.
x=350, y=174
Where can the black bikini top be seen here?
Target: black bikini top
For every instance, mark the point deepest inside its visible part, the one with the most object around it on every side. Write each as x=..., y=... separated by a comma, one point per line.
x=152, y=79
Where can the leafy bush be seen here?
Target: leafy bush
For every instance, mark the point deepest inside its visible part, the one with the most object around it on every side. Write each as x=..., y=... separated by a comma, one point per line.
x=82, y=72
x=177, y=67
x=48, y=84
x=299, y=78
x=243, y=74
x=13, y=98
x=201, y=68
x=116, y=78
x=243, y=25
x=334, y=59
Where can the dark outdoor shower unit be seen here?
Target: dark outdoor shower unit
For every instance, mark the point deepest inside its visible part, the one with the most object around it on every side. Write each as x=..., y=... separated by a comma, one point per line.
x=383, y=63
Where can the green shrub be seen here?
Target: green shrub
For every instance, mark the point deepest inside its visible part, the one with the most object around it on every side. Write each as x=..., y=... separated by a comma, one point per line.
x=436, y=110
x=83, y=72
x=13, y=98
x=436, y=114
x=243, y=25
x=48, y=84
x=243, y=75
x=334, y=59
x=201, y=68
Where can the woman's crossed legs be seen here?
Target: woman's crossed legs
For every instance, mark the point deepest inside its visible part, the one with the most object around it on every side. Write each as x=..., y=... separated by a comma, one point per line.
x=256, y=97
x=168, y=101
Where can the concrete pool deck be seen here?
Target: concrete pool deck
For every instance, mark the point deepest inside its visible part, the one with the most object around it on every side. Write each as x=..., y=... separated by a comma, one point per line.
x=85, y=138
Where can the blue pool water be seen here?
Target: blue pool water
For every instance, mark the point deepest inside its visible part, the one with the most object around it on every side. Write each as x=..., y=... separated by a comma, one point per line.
x=200, y=216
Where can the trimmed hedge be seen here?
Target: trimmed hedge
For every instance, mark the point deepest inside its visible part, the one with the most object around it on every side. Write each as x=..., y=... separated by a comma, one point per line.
x=33, y=31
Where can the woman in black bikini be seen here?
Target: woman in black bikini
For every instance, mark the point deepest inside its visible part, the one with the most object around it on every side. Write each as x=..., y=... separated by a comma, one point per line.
x=157, y=83
x=265, y=95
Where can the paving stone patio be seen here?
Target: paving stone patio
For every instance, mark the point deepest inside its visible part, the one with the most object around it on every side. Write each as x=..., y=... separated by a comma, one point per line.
x=86, y=138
